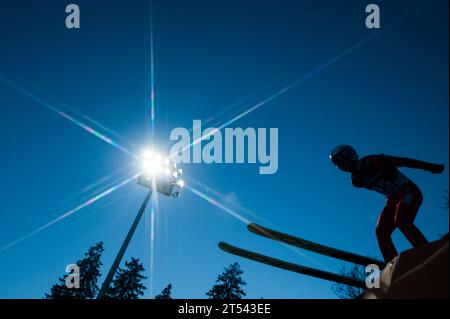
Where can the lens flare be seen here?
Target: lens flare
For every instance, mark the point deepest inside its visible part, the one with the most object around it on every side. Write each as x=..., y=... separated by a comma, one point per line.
x=301, y=80
x=78, y=113
x=152, y=73
x=217, y=204
x=244, y=220
x=70, y=212
x=106, y=178
x=68, y=117
x=152, y=243
x=97, y=134
x=226, y=199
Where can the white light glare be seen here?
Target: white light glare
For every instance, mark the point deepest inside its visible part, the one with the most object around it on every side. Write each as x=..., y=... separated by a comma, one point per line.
x=147, y=154
x=151, y=167
x=180, y=183
x=151, y=163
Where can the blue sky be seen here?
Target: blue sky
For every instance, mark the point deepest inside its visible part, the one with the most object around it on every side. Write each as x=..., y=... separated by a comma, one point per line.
x=388, y=95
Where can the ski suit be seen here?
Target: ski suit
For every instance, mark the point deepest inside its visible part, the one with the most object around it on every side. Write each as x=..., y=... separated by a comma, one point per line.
x=380, y=173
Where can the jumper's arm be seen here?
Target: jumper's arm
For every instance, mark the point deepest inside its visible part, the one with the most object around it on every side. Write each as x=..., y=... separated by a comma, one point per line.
x=413, y=163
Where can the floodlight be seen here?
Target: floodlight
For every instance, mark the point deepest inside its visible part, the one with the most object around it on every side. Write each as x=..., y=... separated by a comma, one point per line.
x=157, y=158
x=147, y=154
x=151, y=167
x=160, y=175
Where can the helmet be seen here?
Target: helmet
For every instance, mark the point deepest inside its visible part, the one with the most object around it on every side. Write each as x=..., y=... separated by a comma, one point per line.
x=343, y=152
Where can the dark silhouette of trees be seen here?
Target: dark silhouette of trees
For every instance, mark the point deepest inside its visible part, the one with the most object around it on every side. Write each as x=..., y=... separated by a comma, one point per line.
x=349, y=292
x=165, y=293
x=127, y=283
x=228, y=284
x=89, y=273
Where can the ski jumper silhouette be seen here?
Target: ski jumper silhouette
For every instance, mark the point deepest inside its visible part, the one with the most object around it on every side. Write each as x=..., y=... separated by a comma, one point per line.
x=380, y=173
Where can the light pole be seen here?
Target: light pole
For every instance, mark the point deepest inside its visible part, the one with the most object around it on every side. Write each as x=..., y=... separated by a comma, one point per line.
x=159, y=175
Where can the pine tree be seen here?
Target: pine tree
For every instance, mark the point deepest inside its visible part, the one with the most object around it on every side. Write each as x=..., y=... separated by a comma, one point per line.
x=228, y=284
x=166, y=293
x=127, y=282
x=89, y=274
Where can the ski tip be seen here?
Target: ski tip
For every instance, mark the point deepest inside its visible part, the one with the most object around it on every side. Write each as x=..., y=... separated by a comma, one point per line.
x=255, y=228
x=252, y=226
x=224, y=246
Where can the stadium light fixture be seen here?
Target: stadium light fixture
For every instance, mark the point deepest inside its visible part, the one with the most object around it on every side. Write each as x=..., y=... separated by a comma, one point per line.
x=160, y=174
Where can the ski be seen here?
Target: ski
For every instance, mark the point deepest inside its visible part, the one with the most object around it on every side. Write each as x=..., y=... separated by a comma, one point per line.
x=314, y=247
x=290, y=266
